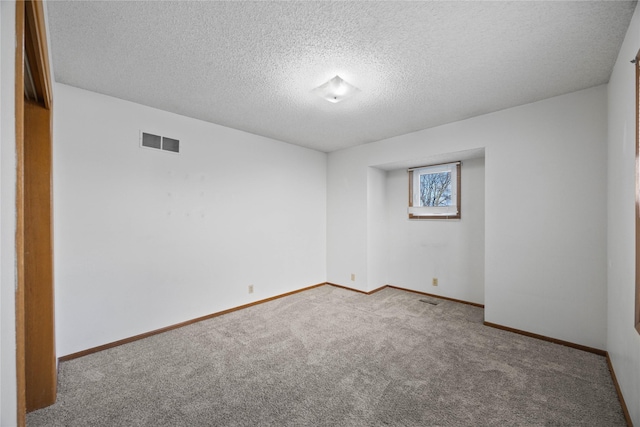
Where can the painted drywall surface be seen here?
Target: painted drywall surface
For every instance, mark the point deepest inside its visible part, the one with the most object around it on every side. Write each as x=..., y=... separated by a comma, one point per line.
x=450, y=250
x=347, y=223
x=8, y=402
x=147, y=238
x=623, y=341
x=546, y=248
x=377, y=229
x=545, y=239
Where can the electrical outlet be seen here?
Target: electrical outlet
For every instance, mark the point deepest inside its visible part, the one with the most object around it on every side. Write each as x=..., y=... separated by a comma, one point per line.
x=434, y=282
x=353, y=277
x=250, y=289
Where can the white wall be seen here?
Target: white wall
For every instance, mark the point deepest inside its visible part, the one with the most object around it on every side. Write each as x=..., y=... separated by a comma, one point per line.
x=545, y=242
x=623, y=342
x=145, y=239
x=377, y=229
x=451, y=250
x=347, y=221
x=8, y=400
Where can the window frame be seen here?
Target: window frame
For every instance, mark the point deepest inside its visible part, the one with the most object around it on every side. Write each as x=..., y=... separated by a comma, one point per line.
x=457, y=196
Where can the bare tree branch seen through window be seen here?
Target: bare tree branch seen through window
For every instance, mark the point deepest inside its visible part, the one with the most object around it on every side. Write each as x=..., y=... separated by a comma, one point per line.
x=435, y=189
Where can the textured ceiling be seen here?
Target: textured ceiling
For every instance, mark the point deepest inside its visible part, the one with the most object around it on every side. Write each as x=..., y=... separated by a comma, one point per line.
x=252, y=65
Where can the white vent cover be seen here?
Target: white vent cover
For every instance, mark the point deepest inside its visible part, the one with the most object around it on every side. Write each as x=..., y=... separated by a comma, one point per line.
x=158, y=142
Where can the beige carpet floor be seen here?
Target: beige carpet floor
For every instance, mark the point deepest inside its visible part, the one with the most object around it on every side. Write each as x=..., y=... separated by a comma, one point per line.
x=332, y=357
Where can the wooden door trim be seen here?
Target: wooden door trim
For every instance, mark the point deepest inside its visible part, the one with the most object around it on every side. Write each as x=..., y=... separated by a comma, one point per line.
x=37, y=51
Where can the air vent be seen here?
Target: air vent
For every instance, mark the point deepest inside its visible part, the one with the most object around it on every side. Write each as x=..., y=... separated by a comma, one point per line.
x=151, y=141
x=158, y=142
x=170, y=144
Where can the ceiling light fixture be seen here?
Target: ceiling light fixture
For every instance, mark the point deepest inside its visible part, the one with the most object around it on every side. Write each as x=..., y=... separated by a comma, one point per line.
x=336, y=90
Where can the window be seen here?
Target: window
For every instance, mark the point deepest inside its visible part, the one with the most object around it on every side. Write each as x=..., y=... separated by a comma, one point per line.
x=434, y=191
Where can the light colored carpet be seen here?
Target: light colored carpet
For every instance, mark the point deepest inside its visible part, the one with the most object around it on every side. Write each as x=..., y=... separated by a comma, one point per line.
x=332, y=357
